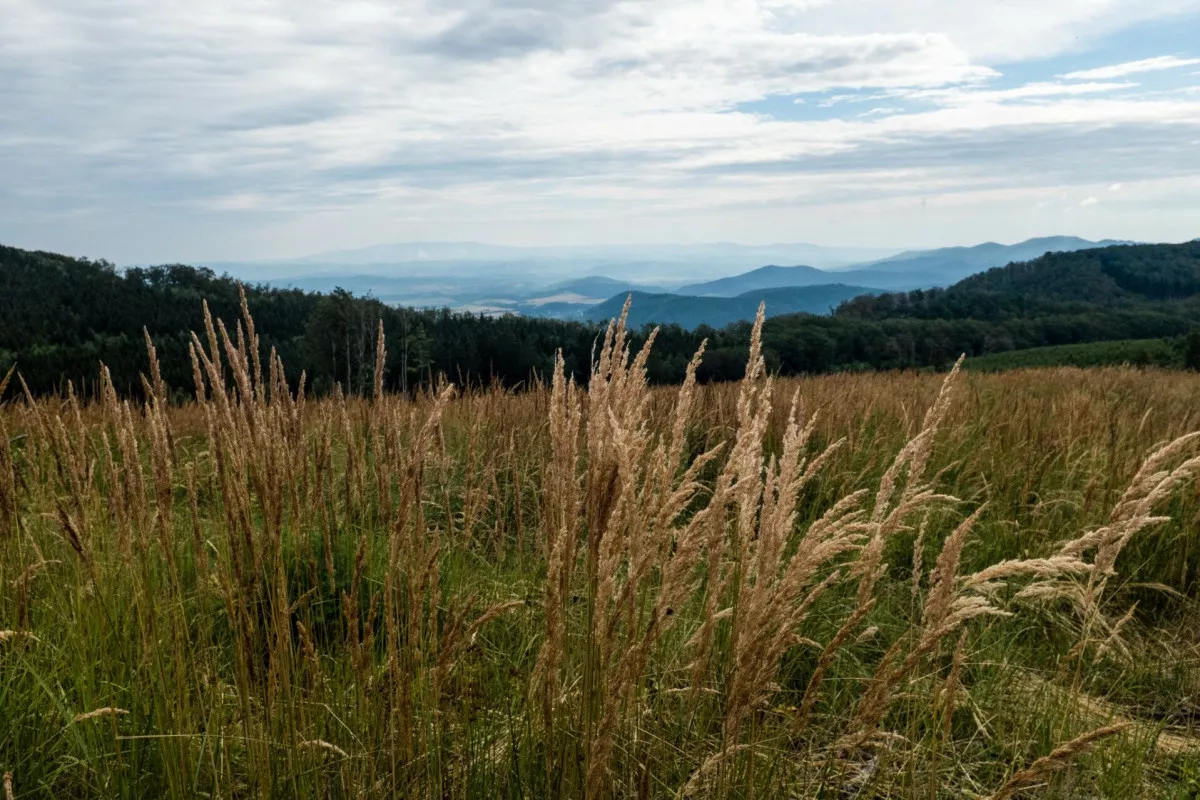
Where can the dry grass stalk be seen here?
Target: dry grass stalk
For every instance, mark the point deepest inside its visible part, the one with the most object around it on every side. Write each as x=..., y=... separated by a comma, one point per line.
x=918, y=567
x=380, y=359
x=950, y=690
x=107, y=711
x=309, y=651
x=738, y=483
x=13, y=636
x=8, y=485
x=562, y=501
x=1044, y=767
x=950, y=604
x=638, y=535
x=637, y=491
x=1097, y=711
x=5, y=380
x=1114, y=641
x=901, y=493
x=8, y=776
x=705, y=773
x=946, y=610
x=199, y=552
x=774, y=594
x=321, y=744
x=457, y=637
x=1163, y=471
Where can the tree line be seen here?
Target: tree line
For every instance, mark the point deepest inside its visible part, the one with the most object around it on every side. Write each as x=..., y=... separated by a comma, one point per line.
x=61, y=316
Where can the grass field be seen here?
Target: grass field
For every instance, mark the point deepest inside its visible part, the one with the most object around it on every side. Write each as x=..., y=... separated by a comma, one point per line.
x=863, y=585
x=1165, y=353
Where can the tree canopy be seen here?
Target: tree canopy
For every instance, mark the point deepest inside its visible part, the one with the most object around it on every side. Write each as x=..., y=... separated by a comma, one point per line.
x=61, y=316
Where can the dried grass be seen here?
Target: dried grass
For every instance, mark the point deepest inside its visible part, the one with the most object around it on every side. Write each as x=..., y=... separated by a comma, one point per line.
x=1044, y=767
x=600, y=590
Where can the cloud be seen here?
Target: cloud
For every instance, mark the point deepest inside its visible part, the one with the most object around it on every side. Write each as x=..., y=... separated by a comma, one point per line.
x=1116, y=187
x=975, y=95
x=1000, y=32
x=497, y=33
x=1131, y=68
x=163, y=129
x=1088, y=202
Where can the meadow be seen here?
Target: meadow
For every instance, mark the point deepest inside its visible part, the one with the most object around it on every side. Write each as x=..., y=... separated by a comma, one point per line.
x=862, y=585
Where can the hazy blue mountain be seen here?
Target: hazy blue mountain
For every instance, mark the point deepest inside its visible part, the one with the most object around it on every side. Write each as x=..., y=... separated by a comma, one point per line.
x=666, y=265
x=405, y=252
x=958, y=262
x=691, y=312
x=769, y=277
x=565, y=282
x=574, y=298
x=598, y=286
x=419, y=291
x=490, y=294
x=910, y=270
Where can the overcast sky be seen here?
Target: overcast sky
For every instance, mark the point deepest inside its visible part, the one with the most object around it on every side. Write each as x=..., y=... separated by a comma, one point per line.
x=185, y=130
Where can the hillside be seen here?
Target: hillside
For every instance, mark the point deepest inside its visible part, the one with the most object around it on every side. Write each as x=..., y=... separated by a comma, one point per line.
x=1105, y=294
x=768, y=277
x=717, y=312
x=1118, y=277
x=60, y=316
x=908, y=270
x=950, y=261
x=597, y=286
x=1164, y=353
x=575, y=299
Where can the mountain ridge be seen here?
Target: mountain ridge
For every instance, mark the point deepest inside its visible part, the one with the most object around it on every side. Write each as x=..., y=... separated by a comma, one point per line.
x=60, y=317
x=691, y=312
x=922, y=269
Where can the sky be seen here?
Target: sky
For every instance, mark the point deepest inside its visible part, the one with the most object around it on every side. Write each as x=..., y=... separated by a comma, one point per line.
x=146, y=131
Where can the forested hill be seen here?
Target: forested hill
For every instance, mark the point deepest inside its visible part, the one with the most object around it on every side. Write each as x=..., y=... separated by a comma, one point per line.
x=691, y=312
x=60, y=316
x=1120, y=276
x=1112, y=293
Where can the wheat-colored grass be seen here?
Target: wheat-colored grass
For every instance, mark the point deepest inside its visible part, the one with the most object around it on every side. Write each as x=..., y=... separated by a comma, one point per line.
x=811, y=587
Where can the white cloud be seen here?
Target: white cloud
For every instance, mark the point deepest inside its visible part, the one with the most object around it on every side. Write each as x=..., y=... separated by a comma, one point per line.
x=1088, y=202
x=1116, y=187
x=1000, y=31
x=1131, y=68
x=180, y=128
x=974, y=95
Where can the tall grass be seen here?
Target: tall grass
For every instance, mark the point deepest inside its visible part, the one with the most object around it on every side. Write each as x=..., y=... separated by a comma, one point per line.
x=853, y=586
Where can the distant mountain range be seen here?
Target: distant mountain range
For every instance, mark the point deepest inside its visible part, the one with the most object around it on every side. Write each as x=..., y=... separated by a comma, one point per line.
x=544, y=282
x=727, y=253
x=789, y=290
x=665, y=264
x=910, y=270
x=559, y=300
x=60, y=316
x=717, y=312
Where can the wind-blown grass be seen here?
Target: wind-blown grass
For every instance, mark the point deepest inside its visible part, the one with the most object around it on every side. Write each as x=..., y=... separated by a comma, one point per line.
x=859, y=585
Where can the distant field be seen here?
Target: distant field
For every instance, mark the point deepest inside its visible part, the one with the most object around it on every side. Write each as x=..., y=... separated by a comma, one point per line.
x=931, y=586
x=1137, y=352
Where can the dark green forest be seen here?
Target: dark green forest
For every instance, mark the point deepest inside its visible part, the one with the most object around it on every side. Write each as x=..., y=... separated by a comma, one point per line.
x=61, y=316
